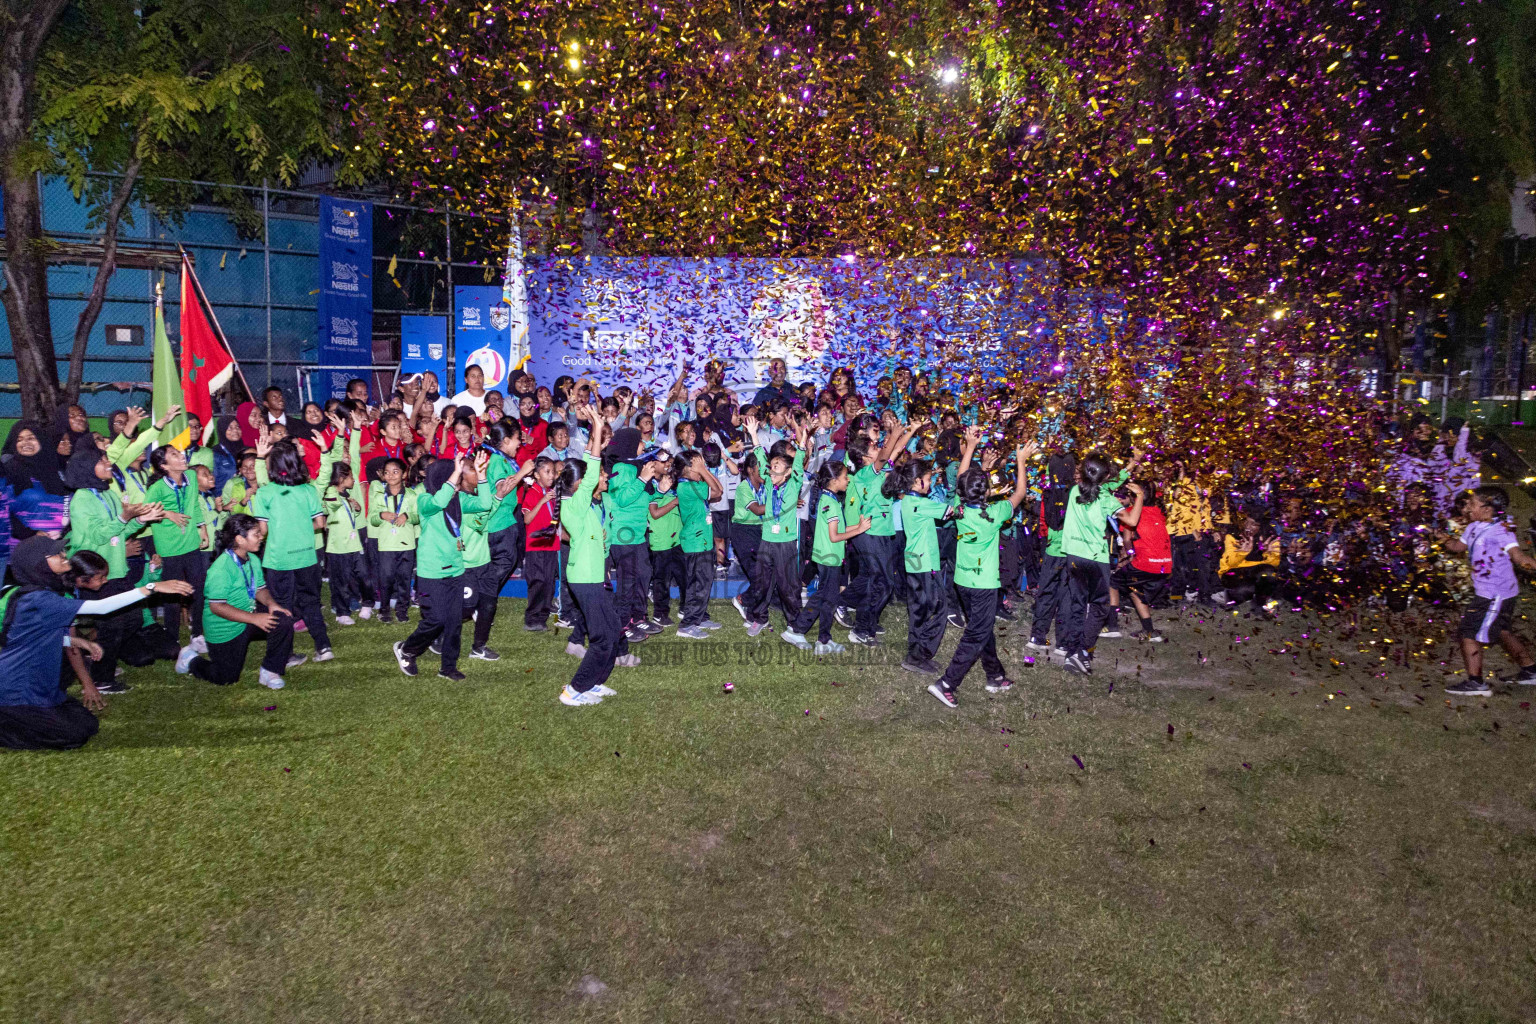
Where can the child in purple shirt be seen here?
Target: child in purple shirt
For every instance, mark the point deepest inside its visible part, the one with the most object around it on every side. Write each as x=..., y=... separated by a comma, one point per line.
x=1493, y=552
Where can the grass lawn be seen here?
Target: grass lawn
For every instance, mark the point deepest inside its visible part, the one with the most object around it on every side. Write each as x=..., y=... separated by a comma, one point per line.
x=1252, y=823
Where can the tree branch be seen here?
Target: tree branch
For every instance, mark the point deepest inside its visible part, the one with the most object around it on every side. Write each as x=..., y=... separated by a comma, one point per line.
x=104, y=271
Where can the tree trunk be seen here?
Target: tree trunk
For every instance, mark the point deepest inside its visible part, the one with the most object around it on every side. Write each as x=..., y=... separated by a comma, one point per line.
x=92, y=310
x=26, y=268
x=26, y=299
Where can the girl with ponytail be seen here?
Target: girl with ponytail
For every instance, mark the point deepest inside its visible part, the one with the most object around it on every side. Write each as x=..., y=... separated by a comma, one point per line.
x=874, y=579
x=1085, y=545
x=976, y=569
x=827, y=550
x=920, y=514
x=238, y=608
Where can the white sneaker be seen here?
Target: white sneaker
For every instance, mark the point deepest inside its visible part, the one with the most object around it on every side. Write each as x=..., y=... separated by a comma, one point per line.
x=1109, y=634
x=575, y=649
x=602, y=690
x=1220, y=597
x=571, y=698
x=365, y=612
x=805, y=596
x=693, y=633
x=295, y=660
x=830, y=647
x=736, y=603
x=626, y=661
x=199, y=644
x=798, y=639
x=325, y=655
x=1191, y=595
x=184, y=660
x=271, y=680
x=1038, y=645
x=710, y=625
x=344, y=620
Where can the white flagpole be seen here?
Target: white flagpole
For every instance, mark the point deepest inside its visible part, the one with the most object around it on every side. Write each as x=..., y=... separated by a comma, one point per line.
x=514, y=292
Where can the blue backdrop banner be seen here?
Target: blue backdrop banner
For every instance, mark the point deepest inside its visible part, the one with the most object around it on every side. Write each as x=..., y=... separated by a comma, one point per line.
x=345, y=305
x=482, y=335
x=636, y=320
x=424, y=346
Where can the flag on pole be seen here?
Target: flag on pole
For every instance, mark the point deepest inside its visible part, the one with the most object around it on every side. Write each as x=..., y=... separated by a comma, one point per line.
x=514, y=292
x=206, y=365
x=166, y=381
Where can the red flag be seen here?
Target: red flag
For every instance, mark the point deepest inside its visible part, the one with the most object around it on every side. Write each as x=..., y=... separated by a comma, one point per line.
x=206, y=365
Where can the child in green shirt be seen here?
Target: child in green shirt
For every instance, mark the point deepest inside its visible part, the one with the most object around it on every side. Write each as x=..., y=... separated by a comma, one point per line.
x=827, y=552
x=393, y=519
x=920, y=514
x=976, y=569
x=179, y=537
x=288, y=501
x=241, y=609
x=666, y=524
x=343, y=543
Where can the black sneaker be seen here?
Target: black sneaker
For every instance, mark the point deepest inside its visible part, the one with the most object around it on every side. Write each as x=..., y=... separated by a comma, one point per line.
x=920, y=667
x=842, y=616
x=403, y=615
x=956, y=621
x=1520, y=677
x=405, y=661
x=1078, y=663
x=453, y=675
x=1005, y=614
x=1002, y=684
x=635, y=635
x=435, y=648
x=946, y=696
x=662, y=621
x=879, y=630
x=535, y=627
x=484, y=653
x=1470, y=688
x=113, y=687
x=651, y=626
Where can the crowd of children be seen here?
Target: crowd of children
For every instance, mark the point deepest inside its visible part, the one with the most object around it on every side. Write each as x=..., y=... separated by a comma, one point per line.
x=604, y=505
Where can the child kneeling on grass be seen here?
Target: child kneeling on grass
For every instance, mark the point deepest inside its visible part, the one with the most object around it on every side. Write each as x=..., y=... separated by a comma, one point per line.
x=238, y=609
x=1493, y=551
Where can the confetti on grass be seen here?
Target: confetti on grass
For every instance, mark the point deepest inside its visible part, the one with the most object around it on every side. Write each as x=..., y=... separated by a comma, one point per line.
x=1079, y=762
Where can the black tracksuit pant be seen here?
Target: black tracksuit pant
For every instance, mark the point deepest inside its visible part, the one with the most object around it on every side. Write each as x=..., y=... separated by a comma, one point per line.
x=698, y=580
x=632, y=581
x=298, y=590
x=395, y=571
x=667, y=568
x=777, y=572
x=979, y=641
x=1051, y=600
x=822, y=606
x=1089, y=591
x=193, y=568
x=605, y=633
x=925, y=614
x=442, y=619
x=540, y=570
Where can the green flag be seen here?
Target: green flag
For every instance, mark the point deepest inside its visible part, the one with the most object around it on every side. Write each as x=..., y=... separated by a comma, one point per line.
x=167, y=384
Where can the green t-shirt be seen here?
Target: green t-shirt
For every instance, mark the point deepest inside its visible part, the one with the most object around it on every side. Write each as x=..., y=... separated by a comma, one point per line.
x=865, y=499
x=825, y=551
x=919, y=521
x=171, y=539
x=505, y=514
x=289, y=511
x=438, y=554
x=392, y=536
x=477, y=528
x=746, y=494
x=236, y=584
x=664, y=529
x=1082, y=534
x=96, y=524
x=582, y=521
x=213, y=519
x=343, y=524
x=976, y=545
x=693, y=504
x=627, y=503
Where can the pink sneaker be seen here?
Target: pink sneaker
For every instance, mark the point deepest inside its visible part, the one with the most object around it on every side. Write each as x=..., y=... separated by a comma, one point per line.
x=299, y=627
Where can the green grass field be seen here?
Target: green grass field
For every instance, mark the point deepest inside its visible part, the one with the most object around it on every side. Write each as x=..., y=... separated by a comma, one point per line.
x=1269, y=823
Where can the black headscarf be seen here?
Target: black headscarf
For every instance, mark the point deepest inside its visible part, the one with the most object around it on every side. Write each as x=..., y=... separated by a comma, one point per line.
x=77, y=438
x=437, y=475
x=80, y=471
x=231, y=448
x=29, y=564
x=43, y=469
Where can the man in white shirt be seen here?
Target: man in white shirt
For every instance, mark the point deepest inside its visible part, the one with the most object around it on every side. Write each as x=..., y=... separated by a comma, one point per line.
x=473, y=394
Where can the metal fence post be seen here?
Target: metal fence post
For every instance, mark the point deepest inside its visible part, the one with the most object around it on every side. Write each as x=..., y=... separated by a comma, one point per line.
x=1445, y=396
x=266, y=256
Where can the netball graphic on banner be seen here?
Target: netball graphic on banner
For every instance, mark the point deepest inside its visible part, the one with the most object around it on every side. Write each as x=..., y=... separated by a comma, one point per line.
x=482, y=334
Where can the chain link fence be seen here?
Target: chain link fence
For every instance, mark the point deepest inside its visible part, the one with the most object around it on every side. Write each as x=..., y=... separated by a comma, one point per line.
x=256, y=252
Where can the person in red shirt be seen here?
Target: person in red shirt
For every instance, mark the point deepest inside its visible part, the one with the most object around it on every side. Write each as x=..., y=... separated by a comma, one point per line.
x=541, y=545
x=535, y=428
x=1147, y=573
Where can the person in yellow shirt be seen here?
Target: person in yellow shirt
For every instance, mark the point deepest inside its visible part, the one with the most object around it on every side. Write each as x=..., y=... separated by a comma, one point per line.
x=1249, y=559
x=1191, y=533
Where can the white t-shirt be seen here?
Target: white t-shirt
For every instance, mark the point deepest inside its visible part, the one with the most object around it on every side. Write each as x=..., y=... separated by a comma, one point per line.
x=463, y=398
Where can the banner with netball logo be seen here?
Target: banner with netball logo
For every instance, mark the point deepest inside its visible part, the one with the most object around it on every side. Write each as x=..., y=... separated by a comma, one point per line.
x=482, y=334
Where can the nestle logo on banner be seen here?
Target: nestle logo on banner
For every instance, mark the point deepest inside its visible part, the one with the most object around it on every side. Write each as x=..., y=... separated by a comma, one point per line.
x=344, y=331
x=625, y=340
x=469, y=316
x=412, y=351
x=344, y=223
x=344, y=276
